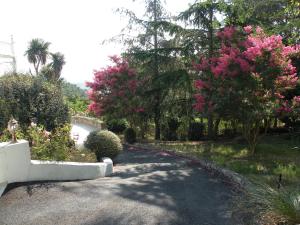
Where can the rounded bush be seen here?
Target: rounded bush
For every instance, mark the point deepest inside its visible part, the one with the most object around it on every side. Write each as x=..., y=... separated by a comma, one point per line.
x=104, y=144
x=130, y=135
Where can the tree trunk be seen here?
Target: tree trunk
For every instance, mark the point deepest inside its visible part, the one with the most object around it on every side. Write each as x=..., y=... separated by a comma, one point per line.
x=210, y=121
x=156, y=74
x=251, y=134
x=157, y=126
x=275, y=122
x=36, y=68
x=210, y=126
x=216, y=128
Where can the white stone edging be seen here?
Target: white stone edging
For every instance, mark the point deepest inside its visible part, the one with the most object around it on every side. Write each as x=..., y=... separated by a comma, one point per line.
x=17, y=166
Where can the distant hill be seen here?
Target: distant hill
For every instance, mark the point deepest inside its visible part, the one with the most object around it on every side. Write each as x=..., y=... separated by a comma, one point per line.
x=73, y=90
x=82, y=86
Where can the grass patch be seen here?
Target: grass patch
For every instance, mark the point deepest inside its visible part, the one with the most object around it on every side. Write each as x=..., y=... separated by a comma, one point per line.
x=81, y=155
x=274, y=155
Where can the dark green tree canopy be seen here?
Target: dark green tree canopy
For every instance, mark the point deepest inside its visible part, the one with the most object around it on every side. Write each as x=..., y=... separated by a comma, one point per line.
x=27, y=97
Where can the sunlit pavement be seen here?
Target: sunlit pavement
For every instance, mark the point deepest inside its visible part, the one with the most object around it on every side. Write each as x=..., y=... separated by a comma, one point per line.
x=146, y=189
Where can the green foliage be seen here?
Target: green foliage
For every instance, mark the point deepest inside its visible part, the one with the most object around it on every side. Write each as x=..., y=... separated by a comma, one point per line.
x=78, y=106
x=5, y=135
x=284, y=203
x=72, y=91
x=153, y=52
x=203, y=20
x=275, y=155
x=15, y=95
x=289, y=171
x=37, y=53
x=130, y=135
x=169, y=129
x=4, y=114
x=55, y=145
x=26, y=97
x=75, y=98
x=58, y=61
x=196, y=131
x=117, y=125
x=50, y=146
x=183, y=129
x=275, y=16
x=104, y=144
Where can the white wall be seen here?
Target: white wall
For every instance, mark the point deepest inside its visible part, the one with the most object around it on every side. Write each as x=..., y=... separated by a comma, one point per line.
x=81, y=128
x=79, y=133
x=16, y=166
x=3, y=180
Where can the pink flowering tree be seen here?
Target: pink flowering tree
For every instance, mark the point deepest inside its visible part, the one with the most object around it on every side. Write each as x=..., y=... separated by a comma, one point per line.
x=114, y=91
x=247, y=80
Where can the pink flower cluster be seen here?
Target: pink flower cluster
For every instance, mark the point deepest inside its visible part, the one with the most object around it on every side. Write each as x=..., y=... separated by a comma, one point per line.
x=116, y=83
x=227, y=33
x=199, y=84
x=139, y=110
x=284, y=108
x=287, y=81
x=96, y=108
x=250, y=53
x=296, y=100
x=248, y=29
x=200, y=103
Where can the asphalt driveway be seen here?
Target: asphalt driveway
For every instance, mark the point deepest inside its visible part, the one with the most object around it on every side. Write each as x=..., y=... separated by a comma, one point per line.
x=147, y=188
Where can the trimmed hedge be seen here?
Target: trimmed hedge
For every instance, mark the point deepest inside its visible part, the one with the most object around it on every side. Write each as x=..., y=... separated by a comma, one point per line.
x=104, y=144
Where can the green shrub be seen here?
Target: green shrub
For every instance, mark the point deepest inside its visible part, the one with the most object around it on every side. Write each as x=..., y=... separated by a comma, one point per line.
x=288, y=171
x=104, y=144
x=117, y=125
x=54, y=145
x=130, y=135
x=169, y=129
x=196, y=131
x=229, y=132
x=183, y=129
x=26, y=97
x=5, y=135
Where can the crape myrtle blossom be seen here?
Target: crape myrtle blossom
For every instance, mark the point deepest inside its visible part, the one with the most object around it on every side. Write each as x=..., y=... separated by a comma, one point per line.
x=248, y=29
x=113, y=89
x=250, y=63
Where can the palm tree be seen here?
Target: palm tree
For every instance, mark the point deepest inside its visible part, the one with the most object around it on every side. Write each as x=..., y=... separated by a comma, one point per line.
x=47, y=73
x=58, y=61
x=37, y=53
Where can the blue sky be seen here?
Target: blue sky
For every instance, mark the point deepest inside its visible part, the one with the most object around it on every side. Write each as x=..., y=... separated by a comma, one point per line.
x=75, y=28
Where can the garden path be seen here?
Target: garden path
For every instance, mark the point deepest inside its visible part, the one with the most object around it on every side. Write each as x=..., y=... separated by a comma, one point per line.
x=146, y=188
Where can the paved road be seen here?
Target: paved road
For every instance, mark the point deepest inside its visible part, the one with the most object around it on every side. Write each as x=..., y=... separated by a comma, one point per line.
x=146, y=189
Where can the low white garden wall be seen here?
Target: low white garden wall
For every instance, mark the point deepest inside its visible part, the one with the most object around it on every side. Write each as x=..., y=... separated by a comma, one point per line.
x=81, y=128
x=96, y=123
x=17, y=166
